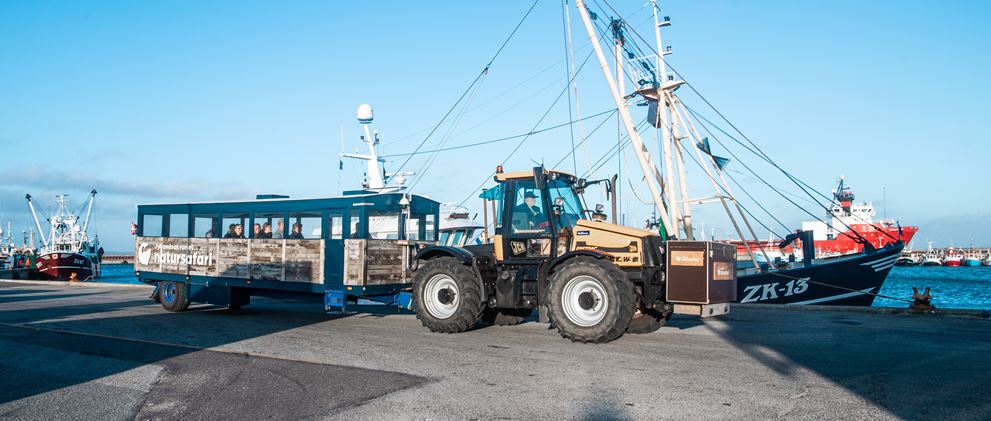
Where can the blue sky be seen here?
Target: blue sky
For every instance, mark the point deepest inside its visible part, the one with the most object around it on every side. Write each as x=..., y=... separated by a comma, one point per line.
x=188, y=101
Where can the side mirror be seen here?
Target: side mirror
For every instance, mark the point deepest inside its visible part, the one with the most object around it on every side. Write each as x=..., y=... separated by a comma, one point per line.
x=539, y=177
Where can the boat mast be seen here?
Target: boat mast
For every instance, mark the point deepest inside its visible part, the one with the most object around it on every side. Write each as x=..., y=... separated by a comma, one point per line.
x=643, y=158
x=89, y=210
x=662, y=108
x=36, y=222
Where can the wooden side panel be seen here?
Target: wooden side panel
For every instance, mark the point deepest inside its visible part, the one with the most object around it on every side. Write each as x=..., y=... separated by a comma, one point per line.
x=375, y=262
x=384, y=262
x=234, y=260
x=354, y=262
x=304, y=261
x=277, y=260
x=266, y=259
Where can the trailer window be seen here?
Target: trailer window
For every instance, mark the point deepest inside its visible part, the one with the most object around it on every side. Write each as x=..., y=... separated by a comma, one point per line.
x=304, y=225
x=277, y=221
x=431, y=229
x=151, y=226
x=233, y=225
x=383, y=225
x=179, y=225
x=205, y=226
x=336, y=225
x=355, y=224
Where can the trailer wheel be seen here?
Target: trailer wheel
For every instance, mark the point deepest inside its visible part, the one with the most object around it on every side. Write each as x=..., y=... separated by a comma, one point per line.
x=590, y=300
x=447, y=295
x=506, y=316
x=172, y=295
x=647, y=321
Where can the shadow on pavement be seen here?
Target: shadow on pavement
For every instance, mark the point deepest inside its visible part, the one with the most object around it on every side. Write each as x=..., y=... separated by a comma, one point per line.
x=922, y=368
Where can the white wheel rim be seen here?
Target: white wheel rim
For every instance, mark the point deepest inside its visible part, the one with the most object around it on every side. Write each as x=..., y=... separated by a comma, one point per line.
x=436, y=286
x=578, y=294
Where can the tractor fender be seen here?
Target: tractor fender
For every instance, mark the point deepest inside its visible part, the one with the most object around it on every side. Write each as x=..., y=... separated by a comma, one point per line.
x=566, y=256
x=431, y=252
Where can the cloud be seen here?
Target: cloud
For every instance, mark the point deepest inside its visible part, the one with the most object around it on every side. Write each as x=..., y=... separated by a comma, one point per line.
x=39, y=177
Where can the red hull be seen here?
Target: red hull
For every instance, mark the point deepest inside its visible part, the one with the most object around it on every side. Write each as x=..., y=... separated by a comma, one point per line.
x=951, y=263
x=61, y=266
x=847, y=243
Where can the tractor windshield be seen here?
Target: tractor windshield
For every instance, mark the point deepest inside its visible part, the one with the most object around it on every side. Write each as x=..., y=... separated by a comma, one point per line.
x=565, y=201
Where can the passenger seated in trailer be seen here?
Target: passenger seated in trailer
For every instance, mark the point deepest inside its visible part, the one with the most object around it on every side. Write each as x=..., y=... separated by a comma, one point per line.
x=256, y=231
x=236, y=231
x=297, y=232
x=266, y=231
x=278, y=232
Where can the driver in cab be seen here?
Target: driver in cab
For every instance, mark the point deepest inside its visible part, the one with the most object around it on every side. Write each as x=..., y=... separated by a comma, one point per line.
x=527, y=216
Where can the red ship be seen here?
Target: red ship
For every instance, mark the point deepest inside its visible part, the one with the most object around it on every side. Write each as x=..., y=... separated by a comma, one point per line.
x=840, y=235
x=850, y=225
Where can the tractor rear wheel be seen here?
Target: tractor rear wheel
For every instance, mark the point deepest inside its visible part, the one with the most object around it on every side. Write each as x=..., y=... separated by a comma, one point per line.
x=448, y=295
x=647, y=321
x=590, y=300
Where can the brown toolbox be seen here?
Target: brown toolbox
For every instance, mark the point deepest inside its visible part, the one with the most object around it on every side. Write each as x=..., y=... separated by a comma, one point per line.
x=700, y=272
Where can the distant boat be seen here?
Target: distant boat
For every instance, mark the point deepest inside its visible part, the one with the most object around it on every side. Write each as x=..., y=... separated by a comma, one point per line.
x=908, y=260
x=952, y=258
x=67, y=253
x=971, y=259
x=931, y=258
x=987, y=260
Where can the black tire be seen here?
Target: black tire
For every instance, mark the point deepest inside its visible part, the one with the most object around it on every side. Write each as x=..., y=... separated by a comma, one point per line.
x=647, y=321
x=448, y=295
x=576, y=316
x=506, y=316
x=172, y=295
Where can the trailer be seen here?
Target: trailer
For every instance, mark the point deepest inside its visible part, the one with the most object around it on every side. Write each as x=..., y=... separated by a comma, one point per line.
x=353, y=253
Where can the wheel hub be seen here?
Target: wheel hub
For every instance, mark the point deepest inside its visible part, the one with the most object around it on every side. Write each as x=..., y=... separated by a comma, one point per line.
x=446, y=296
x=586, y=300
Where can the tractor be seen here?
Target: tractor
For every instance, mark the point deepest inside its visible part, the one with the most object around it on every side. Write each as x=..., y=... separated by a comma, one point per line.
x=593, y=280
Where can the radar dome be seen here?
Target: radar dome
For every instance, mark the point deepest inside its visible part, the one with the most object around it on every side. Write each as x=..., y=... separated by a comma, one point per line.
x=365, y=113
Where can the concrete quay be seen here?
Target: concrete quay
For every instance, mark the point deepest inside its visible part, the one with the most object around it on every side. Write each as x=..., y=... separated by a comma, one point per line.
x=107, y=352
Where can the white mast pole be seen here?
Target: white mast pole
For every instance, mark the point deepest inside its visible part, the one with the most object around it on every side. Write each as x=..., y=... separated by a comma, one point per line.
x=36, y=222
x=89, y=210
x=662, y=108
x=638, y=147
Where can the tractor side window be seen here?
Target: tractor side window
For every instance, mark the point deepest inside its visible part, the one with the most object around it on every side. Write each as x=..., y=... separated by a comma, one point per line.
x=565, y=202
x=529, y=216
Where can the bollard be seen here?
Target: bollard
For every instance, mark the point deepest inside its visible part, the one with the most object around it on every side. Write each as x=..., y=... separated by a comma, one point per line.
x=922, y=302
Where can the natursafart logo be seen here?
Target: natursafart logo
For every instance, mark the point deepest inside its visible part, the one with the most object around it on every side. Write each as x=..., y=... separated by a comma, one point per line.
x=144, y=253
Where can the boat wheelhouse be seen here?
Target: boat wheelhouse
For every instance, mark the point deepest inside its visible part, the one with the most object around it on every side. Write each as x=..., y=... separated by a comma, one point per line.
x=339, y=250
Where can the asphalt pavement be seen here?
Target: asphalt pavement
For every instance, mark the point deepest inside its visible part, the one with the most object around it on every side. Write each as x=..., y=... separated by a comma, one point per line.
x=108, y=352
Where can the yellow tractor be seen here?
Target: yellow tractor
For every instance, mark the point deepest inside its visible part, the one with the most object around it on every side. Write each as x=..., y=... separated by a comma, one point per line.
x=595, y=280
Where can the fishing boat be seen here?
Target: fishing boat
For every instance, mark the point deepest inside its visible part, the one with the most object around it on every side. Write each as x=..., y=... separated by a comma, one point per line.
x=932, y=257
x=987, y=260
x=971, y=258
x=908, y=260
x=952, y=257
x=67, y=253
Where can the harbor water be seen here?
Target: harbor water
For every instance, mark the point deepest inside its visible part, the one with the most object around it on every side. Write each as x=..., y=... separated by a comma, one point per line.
x=951, y=287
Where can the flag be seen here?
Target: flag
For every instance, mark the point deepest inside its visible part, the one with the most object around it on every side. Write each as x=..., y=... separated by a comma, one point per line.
x=720, y=161
x=340, y=164
x=704, y=146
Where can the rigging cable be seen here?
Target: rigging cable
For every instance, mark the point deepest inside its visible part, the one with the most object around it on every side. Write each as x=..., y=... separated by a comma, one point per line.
x=481, y=74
